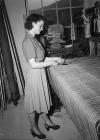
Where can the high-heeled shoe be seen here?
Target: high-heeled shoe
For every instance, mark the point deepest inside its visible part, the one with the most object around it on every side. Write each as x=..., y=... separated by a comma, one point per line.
x=40, y=136
x=54, y=127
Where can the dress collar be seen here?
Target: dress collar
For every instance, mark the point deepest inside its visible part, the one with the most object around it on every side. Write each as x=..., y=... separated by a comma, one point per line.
x=29, y=35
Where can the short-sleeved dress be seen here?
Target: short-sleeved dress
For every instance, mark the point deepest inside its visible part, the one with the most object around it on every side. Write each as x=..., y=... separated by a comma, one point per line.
x=37, y=95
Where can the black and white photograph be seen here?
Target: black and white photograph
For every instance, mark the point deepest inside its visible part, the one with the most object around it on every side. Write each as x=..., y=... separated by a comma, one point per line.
x=50, y=69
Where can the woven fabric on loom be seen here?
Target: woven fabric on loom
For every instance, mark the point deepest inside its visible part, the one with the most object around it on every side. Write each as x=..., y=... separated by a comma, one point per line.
x=78, y=87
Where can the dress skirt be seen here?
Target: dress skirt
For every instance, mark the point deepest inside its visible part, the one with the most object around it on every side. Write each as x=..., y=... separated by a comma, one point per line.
x=37, y=95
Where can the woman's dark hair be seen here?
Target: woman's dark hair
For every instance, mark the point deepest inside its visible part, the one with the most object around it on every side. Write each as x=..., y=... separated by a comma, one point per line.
x=32, y=18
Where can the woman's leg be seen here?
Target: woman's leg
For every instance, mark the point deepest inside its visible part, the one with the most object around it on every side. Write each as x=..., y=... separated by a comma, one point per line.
x=46, y=119
x=34, y=117
x=48, y=122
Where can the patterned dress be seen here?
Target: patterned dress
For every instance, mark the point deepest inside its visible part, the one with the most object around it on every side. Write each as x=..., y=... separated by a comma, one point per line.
x=37, y=95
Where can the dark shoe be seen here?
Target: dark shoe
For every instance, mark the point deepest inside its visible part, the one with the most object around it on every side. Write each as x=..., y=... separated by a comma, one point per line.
x=54, y=127
x=40, y=136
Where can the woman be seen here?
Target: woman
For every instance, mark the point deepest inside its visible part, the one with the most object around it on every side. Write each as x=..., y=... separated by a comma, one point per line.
x=37, y=96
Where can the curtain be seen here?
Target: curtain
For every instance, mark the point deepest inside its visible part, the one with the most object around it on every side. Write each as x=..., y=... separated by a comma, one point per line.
x=10, y=57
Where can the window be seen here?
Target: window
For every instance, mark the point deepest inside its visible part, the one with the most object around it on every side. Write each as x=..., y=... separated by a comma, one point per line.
x=62, y=12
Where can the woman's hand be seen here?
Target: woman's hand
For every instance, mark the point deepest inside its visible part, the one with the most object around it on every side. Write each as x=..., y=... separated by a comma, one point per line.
x=54, y=63
x=60, y=61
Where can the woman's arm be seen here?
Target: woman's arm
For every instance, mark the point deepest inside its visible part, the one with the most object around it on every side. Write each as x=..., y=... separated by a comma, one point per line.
x=42, y=64
x=51, y=59
x=58, y=59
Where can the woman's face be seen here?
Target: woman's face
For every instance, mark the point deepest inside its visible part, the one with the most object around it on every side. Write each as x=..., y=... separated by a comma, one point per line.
x=38, y=27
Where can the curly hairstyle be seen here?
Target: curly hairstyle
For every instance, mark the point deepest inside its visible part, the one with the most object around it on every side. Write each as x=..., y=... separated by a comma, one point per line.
x=32, y=18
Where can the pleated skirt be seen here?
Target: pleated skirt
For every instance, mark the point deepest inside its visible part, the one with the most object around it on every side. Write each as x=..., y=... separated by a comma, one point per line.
x=37, y=93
